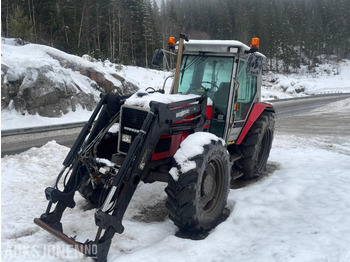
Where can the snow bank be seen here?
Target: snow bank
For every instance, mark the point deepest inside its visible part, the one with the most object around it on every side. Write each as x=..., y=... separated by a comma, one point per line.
x=38, y=79
x=36, y=72
x=298, y=213
x=145, y=77
x=327, y=78
x=20, y=57
x=11, y=119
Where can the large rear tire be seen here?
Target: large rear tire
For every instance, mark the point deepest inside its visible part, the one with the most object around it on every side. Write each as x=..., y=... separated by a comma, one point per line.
x=256, y=146
x=197, y=197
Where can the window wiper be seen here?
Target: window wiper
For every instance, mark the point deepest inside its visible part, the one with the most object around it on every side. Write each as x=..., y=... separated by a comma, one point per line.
x=195, y=61
x=183, y=70
x=199, y=58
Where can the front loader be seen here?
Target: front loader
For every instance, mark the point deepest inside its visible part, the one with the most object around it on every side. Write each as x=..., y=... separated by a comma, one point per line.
x=214, y=107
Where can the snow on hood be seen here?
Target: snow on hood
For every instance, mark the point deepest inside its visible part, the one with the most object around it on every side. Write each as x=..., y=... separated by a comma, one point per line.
x=143, y=98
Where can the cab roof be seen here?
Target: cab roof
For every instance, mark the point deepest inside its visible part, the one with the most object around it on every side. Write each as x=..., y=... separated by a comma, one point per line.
x=216, y=46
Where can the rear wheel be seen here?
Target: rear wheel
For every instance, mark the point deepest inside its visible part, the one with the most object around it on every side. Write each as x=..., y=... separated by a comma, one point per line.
x=256, y=146
x=197, y=197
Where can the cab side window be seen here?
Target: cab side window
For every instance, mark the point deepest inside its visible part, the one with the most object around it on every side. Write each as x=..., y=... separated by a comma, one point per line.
x=246, y=92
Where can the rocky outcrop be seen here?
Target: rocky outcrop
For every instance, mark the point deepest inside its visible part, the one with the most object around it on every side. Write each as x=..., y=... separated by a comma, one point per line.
x=106, y=82
x=37, y=91
x=55, y=84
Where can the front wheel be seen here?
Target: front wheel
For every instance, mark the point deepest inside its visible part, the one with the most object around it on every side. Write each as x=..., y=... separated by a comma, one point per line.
x=198, y=196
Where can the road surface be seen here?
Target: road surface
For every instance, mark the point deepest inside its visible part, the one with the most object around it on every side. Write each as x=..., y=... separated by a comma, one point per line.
x=291, y=117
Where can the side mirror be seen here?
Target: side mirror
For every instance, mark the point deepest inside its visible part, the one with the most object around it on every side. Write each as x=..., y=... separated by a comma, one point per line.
x=157, y=59
x=255, y=64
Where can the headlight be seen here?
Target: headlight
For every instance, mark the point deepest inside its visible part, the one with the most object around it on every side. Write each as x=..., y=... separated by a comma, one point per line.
x=126, y=138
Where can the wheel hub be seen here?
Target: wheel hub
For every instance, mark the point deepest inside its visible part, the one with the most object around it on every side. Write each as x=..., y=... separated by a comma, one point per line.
x=207, y=184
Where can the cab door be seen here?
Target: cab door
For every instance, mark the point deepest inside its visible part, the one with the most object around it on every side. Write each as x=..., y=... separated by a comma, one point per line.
x=247, y=92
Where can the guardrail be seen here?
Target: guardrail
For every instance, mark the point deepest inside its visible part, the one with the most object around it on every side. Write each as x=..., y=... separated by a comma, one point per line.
x=308, y=97
x=29, y=130
x=329, y=92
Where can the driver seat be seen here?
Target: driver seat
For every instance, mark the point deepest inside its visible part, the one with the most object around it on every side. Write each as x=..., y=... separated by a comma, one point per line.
x=221, y=97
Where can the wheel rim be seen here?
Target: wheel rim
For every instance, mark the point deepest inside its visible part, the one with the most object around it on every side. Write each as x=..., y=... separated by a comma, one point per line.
x=264, y=151
x=212, y=186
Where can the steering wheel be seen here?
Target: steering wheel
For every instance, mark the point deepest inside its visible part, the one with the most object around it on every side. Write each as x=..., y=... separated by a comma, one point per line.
x=208, y=82
x=195, y=89
x=150, y=88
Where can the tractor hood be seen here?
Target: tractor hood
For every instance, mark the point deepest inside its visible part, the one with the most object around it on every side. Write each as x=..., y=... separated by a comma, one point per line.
x=143, y=99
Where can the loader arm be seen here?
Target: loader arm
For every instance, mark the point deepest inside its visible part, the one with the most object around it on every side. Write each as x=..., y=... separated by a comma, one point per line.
x=109, y=216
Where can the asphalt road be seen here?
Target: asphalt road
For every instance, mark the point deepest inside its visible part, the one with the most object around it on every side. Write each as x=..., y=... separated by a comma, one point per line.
x=300, y=117
x=15, y=144
x=291, y=117
x=295, y=107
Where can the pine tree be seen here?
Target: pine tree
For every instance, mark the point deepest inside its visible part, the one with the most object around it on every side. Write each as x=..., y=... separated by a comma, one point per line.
x=128, y=31
x=20, y=26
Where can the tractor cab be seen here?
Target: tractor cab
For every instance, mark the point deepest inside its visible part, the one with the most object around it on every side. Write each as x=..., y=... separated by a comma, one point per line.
x=229, y=73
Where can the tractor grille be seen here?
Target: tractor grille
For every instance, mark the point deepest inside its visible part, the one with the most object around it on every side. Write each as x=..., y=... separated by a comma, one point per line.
x=131, y=122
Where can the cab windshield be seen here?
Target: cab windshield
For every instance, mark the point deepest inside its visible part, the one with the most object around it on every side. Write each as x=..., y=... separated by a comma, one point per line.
x=204, y=74
x=211, y=76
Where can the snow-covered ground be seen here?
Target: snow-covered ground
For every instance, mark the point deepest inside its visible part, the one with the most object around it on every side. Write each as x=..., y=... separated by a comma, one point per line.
x=11, y=119
x=333, y=77
x=300, y=212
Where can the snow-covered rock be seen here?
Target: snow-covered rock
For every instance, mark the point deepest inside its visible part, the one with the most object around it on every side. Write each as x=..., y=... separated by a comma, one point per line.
x=332, y=77
x=42, y=80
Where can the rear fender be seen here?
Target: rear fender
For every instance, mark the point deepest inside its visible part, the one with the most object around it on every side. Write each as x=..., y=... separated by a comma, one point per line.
x=258, y=108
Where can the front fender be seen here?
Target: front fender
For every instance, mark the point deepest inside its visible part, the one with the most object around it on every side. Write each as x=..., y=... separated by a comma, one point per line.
x=258, y=108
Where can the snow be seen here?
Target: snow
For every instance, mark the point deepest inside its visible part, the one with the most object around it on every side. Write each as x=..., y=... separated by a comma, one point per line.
x=105, y=162
x=20, y=58
x=11, y=119
x=144, y=77
x=328, y=78
x=143, y=99
x=189, y=148
x=299, y=212
x=233, y=43
x=114, y=129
